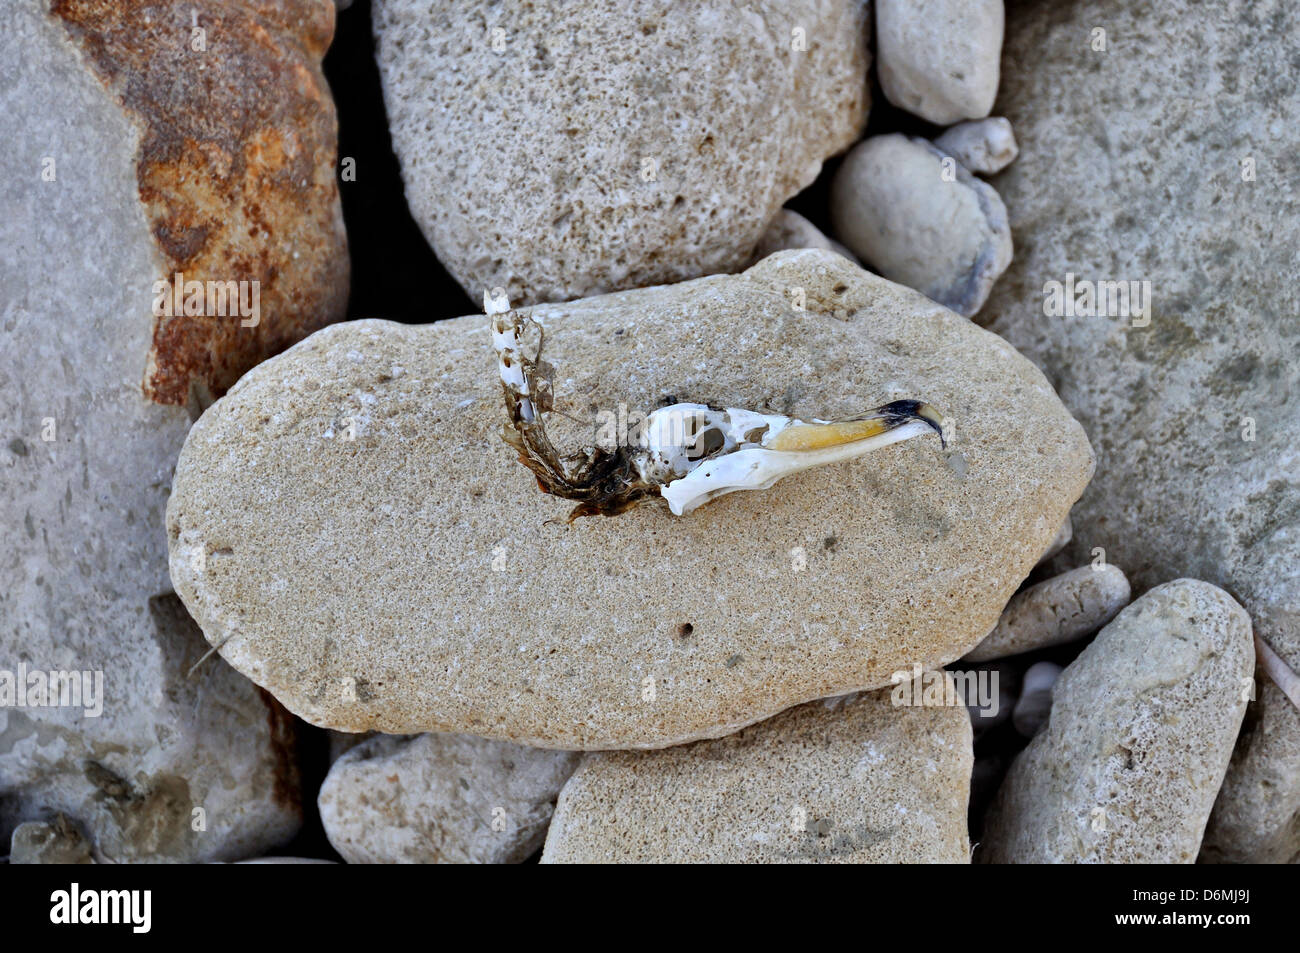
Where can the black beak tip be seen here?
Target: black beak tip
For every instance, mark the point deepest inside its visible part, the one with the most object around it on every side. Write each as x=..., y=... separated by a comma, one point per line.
x=900, y=412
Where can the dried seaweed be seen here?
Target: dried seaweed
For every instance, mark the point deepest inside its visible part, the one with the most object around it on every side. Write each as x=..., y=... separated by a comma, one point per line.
x=604, y=483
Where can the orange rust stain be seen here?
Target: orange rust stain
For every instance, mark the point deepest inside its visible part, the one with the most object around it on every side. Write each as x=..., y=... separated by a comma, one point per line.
x=235, y=168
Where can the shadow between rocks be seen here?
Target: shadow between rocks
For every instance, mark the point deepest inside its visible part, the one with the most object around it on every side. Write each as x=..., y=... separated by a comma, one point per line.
x=395, y=274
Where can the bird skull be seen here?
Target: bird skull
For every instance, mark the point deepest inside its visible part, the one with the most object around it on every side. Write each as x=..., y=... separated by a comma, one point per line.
x=685, y=453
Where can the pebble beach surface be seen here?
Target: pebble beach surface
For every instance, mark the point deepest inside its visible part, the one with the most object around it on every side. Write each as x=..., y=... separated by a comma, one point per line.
x=341, y=348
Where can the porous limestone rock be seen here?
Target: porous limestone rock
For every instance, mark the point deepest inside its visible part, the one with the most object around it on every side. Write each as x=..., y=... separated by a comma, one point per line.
x=1193, y=407
x=441, y=798
x=1056, y=611
x=559, y=150
x=1141, y=728
x=919, y=218
x=348, y=525
x=844, y=780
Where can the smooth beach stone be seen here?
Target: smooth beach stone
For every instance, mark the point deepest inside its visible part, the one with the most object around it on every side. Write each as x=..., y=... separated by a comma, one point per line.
x=559, y=150
x=919, y=218
x=986, y=146
x=441, y=799
x=1141, y=728
x=56, y=842
x=939, y=59
x=853, y=780
x=349, y=527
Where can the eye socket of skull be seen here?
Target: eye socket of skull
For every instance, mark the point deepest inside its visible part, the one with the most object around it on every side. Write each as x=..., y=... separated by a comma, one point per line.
x=705, y=439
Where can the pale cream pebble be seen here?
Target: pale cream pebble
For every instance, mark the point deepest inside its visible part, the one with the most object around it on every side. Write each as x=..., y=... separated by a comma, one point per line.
x=1055, y=611
x=1141, y=728
x=940, y=59
x=986, y=146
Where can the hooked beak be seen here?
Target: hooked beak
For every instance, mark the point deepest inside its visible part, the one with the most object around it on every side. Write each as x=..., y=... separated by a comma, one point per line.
x=788, y=448
x=885, y=419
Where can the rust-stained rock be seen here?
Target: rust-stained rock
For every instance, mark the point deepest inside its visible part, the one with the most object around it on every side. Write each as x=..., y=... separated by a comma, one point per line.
x=235, y=167
x=136, y=148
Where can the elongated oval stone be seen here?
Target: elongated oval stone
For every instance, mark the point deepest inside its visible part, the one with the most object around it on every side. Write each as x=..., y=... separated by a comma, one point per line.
x=1141, y=728
x=349, y=527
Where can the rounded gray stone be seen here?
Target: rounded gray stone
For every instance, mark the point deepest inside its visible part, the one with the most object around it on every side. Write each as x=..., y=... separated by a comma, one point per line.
x=985, y=146
x=920, y=219
x=441, y=798
x=560, y=150
x=1056, y=611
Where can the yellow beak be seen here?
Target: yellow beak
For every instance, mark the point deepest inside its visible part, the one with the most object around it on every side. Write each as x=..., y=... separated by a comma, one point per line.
x=834, y=433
